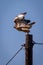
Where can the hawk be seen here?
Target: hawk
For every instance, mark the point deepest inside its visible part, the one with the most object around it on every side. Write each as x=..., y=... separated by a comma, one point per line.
x=22, y=24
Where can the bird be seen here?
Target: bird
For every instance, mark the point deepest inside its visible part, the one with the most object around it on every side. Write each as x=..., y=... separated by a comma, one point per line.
x=22, y=24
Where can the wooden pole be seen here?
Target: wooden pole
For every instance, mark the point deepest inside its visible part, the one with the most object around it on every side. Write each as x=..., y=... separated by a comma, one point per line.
x=28, y=50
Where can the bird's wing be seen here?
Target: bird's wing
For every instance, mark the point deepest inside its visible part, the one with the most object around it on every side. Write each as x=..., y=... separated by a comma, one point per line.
x=27, y=21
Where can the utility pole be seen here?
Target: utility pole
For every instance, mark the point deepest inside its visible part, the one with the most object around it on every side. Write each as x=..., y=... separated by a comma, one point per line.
x=29, y=50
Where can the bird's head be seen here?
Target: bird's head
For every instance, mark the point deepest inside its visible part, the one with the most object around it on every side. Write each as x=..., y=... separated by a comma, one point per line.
x=24, y=13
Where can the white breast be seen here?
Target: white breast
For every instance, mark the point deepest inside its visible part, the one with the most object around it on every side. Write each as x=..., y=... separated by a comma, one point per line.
x=21, y=16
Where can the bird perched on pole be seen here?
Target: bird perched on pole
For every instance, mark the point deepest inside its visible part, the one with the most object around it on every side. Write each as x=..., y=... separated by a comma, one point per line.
x=22, y=24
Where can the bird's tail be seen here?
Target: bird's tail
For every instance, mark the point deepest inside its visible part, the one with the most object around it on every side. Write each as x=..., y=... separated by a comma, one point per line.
x=32, y=23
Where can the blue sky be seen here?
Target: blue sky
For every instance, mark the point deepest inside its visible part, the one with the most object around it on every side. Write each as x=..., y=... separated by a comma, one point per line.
x=11, y=39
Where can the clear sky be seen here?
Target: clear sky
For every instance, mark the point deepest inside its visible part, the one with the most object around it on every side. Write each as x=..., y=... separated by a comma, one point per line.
x=11, y=39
